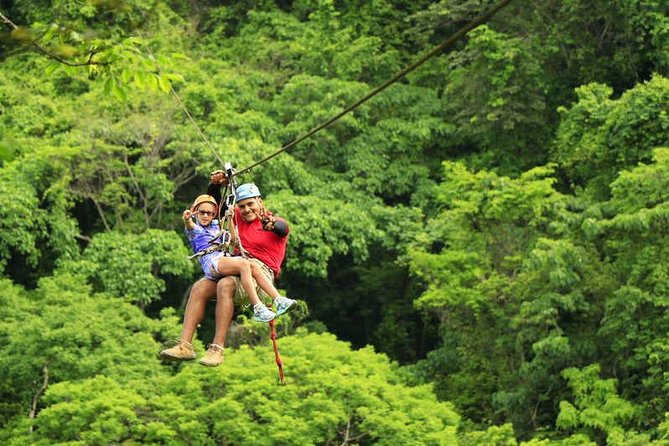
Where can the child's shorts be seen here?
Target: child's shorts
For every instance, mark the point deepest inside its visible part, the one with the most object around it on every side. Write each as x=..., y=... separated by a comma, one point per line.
x=209, y=265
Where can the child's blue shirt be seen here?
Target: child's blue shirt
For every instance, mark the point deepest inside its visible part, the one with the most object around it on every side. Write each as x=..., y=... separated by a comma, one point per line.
x=202, y=237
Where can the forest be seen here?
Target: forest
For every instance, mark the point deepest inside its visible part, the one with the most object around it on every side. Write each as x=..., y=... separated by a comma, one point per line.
x=480, y=252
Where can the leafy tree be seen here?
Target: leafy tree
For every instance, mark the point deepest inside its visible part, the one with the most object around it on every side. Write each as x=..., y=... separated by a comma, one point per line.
x=470, y=257
x=598, y=407
x=60, y=332
x=495, y=98
x=132, y=266
x=334, y=394
x=635, y=316
x=561, y=285
x=599, y=136
x=92, y=35
x=499, y=279
x=35, y=221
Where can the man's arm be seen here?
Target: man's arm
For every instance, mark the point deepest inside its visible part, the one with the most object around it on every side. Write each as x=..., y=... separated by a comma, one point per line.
x=280, y=227
x=217, y=180
x=277, y=225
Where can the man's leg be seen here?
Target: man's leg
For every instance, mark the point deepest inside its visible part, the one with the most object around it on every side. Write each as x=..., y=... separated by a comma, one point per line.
x=200, y=293
x=225, y=307
x=225, y=292
x=203, y=290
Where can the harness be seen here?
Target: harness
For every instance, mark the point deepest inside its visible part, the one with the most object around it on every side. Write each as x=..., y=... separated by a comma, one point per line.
x=227, y=222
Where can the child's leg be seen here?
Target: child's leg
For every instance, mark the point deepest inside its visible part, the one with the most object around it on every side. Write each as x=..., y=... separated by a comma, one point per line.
x=281, y=303
x=263, y=282
x=232, y=266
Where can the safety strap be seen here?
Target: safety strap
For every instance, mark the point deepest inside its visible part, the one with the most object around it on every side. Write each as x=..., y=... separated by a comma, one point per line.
x=277, y=356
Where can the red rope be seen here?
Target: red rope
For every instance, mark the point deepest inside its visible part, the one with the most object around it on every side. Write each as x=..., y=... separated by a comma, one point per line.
x=277, y=356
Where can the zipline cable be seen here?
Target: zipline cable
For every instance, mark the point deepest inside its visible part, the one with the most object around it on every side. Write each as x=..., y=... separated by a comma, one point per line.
x=204, y=138
x=475, y=22
x=185, y=110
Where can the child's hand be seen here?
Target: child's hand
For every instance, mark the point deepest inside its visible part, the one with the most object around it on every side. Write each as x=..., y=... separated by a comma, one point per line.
x=188, y=221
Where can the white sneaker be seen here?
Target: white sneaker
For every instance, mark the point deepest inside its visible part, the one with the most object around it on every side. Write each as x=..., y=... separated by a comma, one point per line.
x=262, y=314
x=282, y=304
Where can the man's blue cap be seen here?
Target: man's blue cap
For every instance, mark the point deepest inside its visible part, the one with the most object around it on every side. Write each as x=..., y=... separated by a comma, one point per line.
x=247, y=190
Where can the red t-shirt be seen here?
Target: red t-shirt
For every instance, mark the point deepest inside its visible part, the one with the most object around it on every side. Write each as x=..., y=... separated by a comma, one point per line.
x=265, y=246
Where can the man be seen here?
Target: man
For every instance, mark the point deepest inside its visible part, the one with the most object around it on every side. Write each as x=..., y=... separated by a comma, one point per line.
x=263, y=238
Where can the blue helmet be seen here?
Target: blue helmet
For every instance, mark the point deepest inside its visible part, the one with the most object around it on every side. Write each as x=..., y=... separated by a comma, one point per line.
x=247, y=190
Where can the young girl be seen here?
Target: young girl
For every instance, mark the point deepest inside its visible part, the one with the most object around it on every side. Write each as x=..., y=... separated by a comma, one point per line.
x=202, y=232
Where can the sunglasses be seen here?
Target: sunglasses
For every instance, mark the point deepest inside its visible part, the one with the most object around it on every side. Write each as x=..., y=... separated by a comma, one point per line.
x=205, y=213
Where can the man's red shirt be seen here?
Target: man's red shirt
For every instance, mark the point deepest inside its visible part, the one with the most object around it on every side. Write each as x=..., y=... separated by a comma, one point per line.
x=265, y=246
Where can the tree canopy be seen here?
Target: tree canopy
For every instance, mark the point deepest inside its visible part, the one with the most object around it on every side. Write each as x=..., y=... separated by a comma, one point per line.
x=481, y=251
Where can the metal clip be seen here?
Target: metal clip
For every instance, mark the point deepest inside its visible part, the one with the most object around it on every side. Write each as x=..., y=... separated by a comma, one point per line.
x=230, y=201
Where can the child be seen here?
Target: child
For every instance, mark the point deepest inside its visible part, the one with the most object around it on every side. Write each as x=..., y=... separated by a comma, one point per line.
x=215, y=265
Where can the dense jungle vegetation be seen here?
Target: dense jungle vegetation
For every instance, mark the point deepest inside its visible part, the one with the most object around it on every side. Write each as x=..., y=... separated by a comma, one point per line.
x=482, y=250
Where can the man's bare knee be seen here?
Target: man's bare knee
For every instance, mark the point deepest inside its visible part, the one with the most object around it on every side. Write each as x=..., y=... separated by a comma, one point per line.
x=226, y=288
x=203, y=289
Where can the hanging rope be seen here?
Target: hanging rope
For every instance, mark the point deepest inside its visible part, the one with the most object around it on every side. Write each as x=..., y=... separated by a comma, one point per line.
x=277, y=356
x=477, y=21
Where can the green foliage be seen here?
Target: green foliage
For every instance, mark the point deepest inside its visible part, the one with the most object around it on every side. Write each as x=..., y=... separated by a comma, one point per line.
x=19, y=225
x=470, y=257
x=484, y=269
x=60, y=332
x=34, y=218
x=495, y=98
x=494, y=435
x=131, y=265
x=617, y=43
x=333, y=394
x=596, y=403
x=572, y=284
x=90, y=39
x=598, y=136
x=321, y=228
x=635, y=316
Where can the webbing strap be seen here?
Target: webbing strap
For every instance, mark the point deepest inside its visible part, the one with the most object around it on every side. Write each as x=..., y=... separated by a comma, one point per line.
x=277, y=356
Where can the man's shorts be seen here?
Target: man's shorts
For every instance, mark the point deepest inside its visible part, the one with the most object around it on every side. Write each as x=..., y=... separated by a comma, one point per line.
x=240, y=295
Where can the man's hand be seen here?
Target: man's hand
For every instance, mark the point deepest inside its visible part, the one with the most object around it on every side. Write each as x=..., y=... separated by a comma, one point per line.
x=268, y=223
x=276, y=225
x=218, y=177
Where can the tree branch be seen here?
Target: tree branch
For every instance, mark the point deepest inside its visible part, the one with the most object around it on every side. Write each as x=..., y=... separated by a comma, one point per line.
x=346, y=432
x=82, y=237
x=50, y=55
x=147, y=218
x=100, y=212
x=40, y=391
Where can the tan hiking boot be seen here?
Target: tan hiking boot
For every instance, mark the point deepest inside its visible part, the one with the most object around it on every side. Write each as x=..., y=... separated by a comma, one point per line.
x=213, y=357
x=183, y=351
